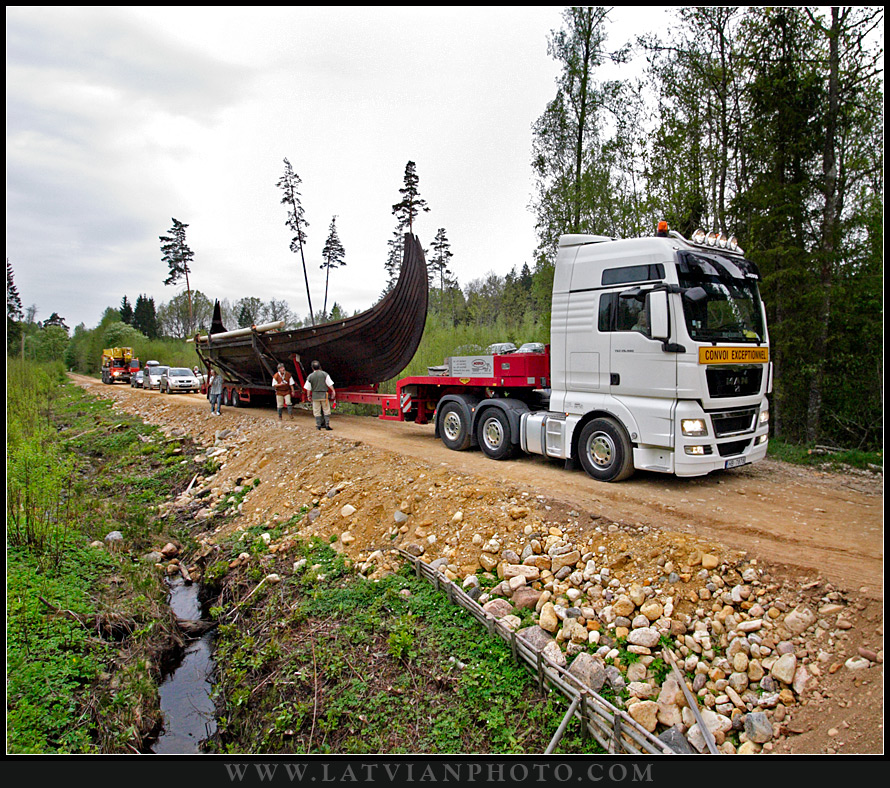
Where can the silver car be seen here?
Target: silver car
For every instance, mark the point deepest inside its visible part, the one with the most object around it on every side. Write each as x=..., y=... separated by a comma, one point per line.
x=500, y=348
x=532, y=347
x=179, y=379
x=151, y=376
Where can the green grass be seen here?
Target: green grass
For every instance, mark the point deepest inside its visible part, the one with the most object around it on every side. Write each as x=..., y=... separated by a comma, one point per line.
x=838, y=460
x=51, y=659
x=327, y=661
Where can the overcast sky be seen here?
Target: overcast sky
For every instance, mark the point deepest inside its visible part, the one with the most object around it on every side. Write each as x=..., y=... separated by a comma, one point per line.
x=120, y=119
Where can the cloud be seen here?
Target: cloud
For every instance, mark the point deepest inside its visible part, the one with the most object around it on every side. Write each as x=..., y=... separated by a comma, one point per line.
x=91, y=99
x=71, y=54
x=119, y=119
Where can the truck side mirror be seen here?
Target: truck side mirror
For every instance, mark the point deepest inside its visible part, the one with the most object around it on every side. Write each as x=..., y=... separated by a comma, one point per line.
x=696, y=295
x=658, y=315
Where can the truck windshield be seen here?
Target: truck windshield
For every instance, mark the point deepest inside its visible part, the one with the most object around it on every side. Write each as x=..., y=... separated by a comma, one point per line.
x=718, y=306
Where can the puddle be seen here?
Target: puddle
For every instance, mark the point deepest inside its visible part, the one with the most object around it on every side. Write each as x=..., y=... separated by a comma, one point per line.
x=189, y=715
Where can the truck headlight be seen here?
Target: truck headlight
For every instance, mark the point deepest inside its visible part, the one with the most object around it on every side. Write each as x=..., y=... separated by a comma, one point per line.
x=693, y=428
x=764, y=417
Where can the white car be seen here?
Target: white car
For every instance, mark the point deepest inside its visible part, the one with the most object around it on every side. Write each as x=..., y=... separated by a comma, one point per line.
x=179, y=379
x=151, y=376
x=500, y=348
x=532, y=347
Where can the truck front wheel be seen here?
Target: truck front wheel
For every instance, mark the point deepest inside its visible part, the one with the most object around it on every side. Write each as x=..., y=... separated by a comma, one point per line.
x=605, y=451
x=453, y=427
x=493, y=434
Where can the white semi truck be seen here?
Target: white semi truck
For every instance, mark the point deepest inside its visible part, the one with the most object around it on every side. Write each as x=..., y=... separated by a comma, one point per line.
x=658, y=360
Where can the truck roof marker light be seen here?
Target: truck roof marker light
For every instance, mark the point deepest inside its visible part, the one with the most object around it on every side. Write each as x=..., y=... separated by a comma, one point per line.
x=711, y=239
x=734, y=245
x=662, y=230
x=698, y=237
x=722, y=241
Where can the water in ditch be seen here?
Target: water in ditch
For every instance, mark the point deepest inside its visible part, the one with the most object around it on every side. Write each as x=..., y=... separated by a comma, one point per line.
x=186, y=705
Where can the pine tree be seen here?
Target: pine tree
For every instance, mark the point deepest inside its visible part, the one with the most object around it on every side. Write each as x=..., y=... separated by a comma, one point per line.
x=55, y=319
x=145, y=317
x=332, y=254
x=296, y=222
x=250, y=311
x=14, y=312
x=441, y=257
x=13, y=300
x=393, y=264
x=178, y=257
x=126, y=311
x=411, y=203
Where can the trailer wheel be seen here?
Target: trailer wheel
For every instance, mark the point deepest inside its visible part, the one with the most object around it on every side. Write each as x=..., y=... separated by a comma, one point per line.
x=453, y=426
x=605, y=451
x=227, y=397
x=236, y=399
x=493, y=434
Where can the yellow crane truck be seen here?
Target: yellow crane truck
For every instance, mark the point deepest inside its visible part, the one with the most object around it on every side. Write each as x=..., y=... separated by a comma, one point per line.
x=118, y=364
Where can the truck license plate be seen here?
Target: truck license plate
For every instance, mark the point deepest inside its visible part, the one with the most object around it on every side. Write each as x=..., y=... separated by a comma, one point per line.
x=736, y=462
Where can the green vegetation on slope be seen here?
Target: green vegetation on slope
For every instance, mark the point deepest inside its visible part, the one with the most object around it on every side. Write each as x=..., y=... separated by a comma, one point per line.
x=87, y=626
x=325, y=661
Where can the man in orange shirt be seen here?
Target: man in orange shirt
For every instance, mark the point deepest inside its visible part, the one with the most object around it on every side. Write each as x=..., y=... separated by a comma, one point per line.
x=284, y=385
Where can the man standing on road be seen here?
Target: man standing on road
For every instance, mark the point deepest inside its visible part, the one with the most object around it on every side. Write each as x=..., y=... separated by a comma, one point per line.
x=284, y=385
x=216, y=388
x=318, y=384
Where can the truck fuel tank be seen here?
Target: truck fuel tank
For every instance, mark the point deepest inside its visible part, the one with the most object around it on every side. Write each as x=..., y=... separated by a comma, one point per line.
x=547, y=433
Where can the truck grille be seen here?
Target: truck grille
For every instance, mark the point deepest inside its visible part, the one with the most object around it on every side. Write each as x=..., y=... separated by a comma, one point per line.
x=733, y=447
x=734, y=381
x=733, y=422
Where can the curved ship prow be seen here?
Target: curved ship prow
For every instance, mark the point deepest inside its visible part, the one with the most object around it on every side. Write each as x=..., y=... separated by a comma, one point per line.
x=363, y=350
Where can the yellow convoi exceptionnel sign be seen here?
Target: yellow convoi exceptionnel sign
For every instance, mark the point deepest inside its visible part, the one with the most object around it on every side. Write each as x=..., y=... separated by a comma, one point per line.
x=733, y=355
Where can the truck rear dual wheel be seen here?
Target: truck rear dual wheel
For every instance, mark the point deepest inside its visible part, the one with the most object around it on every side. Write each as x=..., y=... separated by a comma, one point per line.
x=454, y=427
x=605, y=451
x=494, y=435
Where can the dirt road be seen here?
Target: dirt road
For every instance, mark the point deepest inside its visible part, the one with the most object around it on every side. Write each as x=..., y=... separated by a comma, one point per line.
x=824, y=522
x=816, y=523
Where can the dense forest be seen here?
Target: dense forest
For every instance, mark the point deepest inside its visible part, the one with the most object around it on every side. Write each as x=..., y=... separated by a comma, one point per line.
x=765, y=122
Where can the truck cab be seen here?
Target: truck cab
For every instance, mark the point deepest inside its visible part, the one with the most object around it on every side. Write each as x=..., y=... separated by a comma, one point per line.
x=659, y=357
x=117, y=365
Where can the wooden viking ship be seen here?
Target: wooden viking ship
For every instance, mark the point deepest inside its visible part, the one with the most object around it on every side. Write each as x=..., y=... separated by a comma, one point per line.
x=366, y=349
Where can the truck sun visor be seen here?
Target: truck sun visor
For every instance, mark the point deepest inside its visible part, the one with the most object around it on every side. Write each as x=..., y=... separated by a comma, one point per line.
x=719, y=266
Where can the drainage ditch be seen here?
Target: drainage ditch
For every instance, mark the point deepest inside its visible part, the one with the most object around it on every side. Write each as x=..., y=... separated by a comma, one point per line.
x=189, y=716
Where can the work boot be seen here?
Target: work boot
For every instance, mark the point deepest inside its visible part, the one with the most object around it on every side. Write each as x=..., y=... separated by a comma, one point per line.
x=327, y=422
x=280, y=411
x=318, y=422
x=290, y=412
